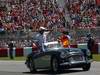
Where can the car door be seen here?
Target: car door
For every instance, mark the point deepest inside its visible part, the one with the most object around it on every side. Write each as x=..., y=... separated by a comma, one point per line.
x=42, y=60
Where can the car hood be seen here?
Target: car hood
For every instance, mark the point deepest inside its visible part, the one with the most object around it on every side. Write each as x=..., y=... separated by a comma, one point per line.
x=69, y=50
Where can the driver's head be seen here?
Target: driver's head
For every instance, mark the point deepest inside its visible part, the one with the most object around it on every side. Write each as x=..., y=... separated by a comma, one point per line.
x=41, y=31
x=65, y=32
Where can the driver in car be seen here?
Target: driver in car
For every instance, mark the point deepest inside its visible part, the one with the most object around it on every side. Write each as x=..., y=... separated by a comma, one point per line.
x=64, y=39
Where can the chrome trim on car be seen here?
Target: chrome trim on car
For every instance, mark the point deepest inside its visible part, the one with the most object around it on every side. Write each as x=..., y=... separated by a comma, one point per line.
x=71, y=63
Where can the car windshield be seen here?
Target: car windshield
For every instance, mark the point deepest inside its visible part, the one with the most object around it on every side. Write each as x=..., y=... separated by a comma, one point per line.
x=52, y=45
x=57, y=46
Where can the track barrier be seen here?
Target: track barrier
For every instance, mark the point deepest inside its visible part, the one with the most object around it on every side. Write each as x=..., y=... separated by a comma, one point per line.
x=4, y=52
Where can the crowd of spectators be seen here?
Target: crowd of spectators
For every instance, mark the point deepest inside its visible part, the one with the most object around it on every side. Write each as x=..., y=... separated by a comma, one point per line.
x=31, y=14
x=84, y=13
x=17, y=43
x=16, y=15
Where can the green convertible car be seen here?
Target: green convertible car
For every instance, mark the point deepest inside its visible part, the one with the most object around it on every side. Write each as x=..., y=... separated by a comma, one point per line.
x=57, y=58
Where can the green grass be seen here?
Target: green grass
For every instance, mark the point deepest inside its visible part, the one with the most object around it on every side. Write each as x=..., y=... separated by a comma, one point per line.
x=96, y=57
x=16, y=58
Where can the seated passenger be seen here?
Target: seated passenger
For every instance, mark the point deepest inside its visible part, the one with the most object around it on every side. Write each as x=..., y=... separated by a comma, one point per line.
x=65, y=39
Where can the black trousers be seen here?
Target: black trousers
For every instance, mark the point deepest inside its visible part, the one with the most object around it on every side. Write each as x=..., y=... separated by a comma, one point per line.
x=91, y=56
x=11, y=53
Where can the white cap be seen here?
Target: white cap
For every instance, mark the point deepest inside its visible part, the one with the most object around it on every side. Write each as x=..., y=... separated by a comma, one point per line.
x=43, y=28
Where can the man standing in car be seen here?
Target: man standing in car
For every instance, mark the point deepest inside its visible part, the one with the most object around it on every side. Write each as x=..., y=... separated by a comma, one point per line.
x=41, y=38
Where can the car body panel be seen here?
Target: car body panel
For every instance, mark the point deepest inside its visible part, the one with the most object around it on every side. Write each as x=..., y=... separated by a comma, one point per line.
x=42, y=62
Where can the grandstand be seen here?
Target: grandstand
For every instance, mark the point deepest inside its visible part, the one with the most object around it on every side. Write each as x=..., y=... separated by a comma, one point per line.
x=20, y=18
